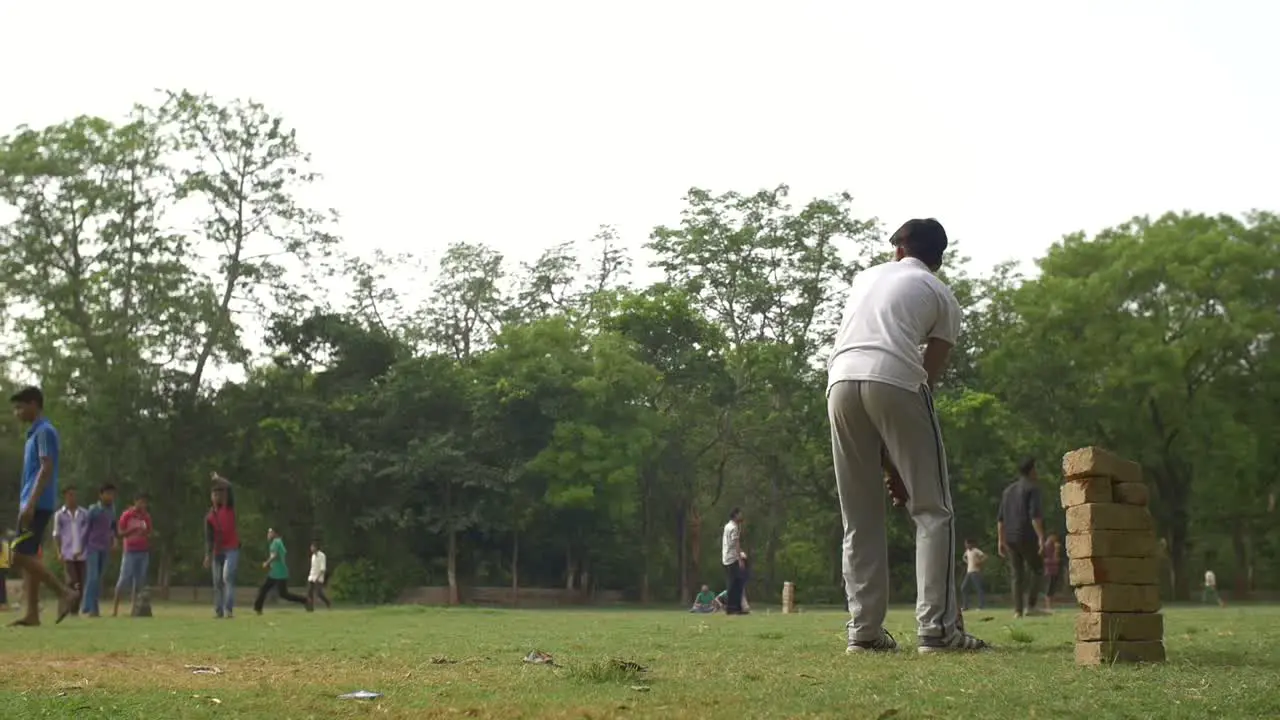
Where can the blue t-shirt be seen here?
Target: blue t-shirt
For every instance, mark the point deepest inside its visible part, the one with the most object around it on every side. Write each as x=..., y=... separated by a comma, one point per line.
x=42, y=442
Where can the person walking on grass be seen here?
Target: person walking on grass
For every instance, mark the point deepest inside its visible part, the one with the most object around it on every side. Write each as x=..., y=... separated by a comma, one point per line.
x=70, y=531
x=735, y=563
x=36, y=503
x=1020, y=528
x=973, y=558
x=1211, y=589
x=222, y=546
x=315, y=578
x=277, y=575
x=1052, y=569
x=135, y=530
x=880, y=407
x=100, y=540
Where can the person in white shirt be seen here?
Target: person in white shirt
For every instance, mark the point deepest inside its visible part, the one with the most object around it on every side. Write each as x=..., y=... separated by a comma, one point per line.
x=1211, y=589
x=880, y=406
x=71, y=530
x=735, y=563
x=973, y=558
x=315, y=578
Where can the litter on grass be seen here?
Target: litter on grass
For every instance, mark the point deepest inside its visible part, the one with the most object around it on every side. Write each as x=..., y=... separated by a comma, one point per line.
x=203, y=669
x=360, y=695
x=537, y=657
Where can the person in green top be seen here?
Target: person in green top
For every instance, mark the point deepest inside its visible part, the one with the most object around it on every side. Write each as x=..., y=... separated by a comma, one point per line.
x=277, y=574
x=704, y=602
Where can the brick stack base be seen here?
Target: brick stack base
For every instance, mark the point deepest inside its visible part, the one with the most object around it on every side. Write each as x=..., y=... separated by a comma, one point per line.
x=1114, y=566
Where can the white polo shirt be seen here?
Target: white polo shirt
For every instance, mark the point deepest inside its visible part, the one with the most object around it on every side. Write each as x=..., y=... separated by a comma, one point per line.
x=893, y=309
x=730, y=543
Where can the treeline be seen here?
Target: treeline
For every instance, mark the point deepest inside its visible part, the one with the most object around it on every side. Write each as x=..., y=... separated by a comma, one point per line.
x=554, y=424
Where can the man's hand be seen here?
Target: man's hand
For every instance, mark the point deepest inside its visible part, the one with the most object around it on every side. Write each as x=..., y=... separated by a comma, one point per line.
x=1040, y=548
x=897, y=488
x=265, y=564
x=1002, y=550
x=207, y=562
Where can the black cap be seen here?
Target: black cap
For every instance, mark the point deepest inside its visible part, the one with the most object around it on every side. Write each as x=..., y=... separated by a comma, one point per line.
x=29, y=394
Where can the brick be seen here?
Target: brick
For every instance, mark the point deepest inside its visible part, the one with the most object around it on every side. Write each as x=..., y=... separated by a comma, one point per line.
x=1097, y=627
x=1115, y=570
x=1086, y=490
x=1083, y=519
x=1131, y=493
x=1118, y=598
x=1096, y=462
x=1112, y=543
x=1120, y=651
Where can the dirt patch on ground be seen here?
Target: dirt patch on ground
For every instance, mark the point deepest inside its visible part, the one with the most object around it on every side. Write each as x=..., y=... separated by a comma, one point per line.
x=43, y=671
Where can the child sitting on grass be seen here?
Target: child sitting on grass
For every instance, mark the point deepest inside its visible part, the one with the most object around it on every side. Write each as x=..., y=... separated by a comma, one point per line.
x=705, y=602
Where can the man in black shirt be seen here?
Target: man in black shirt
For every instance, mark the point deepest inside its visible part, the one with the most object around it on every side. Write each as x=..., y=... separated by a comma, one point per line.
x=1020, y=529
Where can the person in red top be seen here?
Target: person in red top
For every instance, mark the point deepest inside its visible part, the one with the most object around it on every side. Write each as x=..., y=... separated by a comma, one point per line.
x=222, y=546
x=135, y=529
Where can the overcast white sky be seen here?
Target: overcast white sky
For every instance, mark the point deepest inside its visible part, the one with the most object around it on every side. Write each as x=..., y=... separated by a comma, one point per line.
x=521, y=123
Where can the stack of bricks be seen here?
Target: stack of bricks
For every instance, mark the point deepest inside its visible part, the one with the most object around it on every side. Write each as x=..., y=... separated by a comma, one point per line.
x=1114, y=566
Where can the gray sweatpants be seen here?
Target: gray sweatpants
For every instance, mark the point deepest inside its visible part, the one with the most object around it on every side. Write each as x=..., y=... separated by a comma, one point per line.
x=866, y=416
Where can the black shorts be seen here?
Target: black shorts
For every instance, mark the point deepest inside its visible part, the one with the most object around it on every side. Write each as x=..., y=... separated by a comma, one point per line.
x=1053, y=583
x=31, y=535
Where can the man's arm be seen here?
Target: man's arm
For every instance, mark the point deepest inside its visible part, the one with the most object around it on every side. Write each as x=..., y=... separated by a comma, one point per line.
x=1002, y=546
x=208, y=536
x=324, y=566
x=1037, y=518
x=946, y=329
x=936, y=355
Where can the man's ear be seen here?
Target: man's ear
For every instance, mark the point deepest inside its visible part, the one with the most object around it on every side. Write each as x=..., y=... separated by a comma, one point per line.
x=898, y=253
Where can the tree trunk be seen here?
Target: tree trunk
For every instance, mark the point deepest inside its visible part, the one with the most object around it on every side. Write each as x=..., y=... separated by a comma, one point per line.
x=166, y=562
x=569, y=569
x=682, y=553
x=515, y=569
x=1240, y=585
x=453, y=567
x=695, y=544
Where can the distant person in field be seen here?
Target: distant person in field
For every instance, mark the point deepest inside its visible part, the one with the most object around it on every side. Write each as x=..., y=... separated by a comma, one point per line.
x=704, y=601
x=1211, y=589
x=1020, y=527
x=315, y=578
x=883, y=422
x=100, y=540
x=1052, y=569
x=135, y=531
x=277, y=574
x=973, y=559
x=71, y=532
x=735, y=563
x=222, y=546
x=36, y=502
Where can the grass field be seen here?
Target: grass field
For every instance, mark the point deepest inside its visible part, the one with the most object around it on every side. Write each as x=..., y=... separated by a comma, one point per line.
x=432, y=662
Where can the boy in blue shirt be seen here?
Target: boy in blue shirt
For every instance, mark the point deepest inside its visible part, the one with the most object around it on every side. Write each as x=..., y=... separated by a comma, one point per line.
x=38, y=500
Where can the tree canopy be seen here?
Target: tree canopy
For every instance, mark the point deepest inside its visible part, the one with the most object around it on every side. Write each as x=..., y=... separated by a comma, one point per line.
x=556, y=424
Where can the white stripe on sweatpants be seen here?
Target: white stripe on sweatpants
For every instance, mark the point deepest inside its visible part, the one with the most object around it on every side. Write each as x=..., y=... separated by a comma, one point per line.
x=866, y=416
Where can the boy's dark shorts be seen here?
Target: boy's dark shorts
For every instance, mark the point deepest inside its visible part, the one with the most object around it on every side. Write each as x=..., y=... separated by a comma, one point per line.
x=31, y=535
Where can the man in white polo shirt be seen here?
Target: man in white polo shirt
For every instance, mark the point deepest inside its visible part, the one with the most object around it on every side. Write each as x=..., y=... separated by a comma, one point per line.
x=880, y=404
x=735, y=563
